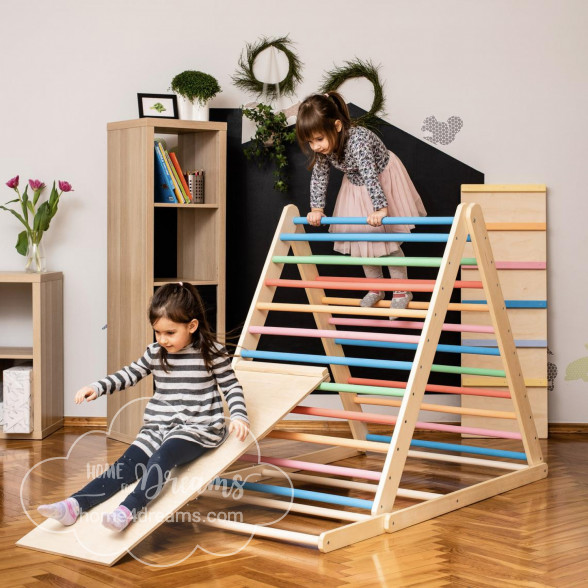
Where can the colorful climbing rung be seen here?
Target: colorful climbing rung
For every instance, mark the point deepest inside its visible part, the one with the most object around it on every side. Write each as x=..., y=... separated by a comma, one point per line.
x=378, y=237
x=383, y=261
x=296, y=493
x=387, y=220
x=364, y=362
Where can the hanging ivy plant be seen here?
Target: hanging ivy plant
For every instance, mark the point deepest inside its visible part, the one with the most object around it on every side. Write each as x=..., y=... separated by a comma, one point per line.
x=271, y=137
x=358, y=69
x=246, y=80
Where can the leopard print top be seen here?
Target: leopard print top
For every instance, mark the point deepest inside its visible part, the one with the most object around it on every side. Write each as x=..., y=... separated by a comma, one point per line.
x=364, y=159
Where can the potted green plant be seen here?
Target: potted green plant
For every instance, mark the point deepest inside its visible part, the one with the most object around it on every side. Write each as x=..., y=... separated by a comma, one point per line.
x=194, y=90
x=271, y=137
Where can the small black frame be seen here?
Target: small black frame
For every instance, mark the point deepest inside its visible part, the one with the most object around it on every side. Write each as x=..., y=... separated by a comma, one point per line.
x=158, y=105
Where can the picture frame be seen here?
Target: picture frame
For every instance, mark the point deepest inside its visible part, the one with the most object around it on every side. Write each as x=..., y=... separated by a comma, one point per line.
x=158, y=105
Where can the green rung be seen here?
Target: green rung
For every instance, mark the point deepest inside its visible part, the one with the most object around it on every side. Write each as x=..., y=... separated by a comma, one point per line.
x=455, y=369
x=359, y=389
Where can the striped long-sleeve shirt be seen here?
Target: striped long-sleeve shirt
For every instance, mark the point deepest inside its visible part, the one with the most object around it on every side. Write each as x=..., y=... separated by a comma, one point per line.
x=186, y=403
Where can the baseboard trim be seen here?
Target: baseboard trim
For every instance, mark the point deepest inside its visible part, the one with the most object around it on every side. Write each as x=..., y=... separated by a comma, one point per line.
x=90, y=422
x=567, y=428
x=333, y=427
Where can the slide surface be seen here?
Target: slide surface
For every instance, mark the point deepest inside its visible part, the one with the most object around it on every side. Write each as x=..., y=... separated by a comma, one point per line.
x=271, y=391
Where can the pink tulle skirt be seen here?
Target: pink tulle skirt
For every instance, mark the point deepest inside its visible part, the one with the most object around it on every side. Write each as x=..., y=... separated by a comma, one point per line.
x=352, y=200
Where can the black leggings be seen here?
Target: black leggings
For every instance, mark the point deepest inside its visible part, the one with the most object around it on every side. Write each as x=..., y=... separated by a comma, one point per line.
x=135, y=464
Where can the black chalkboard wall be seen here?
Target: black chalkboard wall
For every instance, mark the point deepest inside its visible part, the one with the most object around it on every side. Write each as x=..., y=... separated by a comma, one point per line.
x=254, y=208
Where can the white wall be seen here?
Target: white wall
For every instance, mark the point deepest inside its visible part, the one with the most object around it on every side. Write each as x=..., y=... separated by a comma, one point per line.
x=515, y=71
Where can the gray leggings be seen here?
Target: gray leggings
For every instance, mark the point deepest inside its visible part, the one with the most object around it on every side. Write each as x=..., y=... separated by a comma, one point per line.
x=397, y=272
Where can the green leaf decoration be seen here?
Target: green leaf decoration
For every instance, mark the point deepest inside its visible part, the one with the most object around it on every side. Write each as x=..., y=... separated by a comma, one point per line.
x=24, y=202
x=246, y=80
x=42, y=218
x=358, y=69
x=269, y=144
x=20, y=218
x=36, y=197
x=22, y=243
x=54, y=196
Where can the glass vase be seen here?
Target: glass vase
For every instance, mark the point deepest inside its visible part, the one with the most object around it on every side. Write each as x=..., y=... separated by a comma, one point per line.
x=35, y=258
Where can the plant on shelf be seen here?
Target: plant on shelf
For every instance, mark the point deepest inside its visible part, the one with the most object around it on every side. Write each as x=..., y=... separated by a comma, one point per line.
x=270, y=140
x=29, y=240
x=196, y=89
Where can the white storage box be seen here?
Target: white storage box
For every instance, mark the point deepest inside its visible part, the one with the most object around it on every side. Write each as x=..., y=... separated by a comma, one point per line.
x=18, y=404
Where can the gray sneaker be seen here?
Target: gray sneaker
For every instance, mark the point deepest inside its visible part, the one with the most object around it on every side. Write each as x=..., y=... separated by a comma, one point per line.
x=400, y=302
x=372, y=298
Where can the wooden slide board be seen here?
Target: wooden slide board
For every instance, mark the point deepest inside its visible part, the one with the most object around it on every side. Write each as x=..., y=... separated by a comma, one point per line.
x=269, y=394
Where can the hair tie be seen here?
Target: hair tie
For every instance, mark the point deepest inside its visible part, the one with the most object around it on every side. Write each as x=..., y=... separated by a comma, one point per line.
x=181, y=284
x=326, y=95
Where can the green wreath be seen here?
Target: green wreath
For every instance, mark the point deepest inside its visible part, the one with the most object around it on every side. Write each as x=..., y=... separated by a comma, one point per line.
x=358, y=69
x=245, y=80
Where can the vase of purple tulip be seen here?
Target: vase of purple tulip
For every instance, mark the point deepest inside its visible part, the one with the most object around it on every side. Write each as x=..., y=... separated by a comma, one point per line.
x=35, y=257
x=35, y=216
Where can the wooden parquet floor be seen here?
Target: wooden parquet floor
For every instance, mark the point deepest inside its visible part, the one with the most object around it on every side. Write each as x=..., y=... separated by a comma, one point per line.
x=534, y=536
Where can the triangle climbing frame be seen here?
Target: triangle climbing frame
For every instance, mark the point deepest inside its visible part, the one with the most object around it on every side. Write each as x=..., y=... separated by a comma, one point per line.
x=393, y=507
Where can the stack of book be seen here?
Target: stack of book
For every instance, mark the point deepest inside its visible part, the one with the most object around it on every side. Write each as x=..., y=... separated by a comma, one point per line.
x=171, y=184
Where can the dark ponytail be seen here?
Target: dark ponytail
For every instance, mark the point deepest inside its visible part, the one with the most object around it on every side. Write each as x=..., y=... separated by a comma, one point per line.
x=317, y=114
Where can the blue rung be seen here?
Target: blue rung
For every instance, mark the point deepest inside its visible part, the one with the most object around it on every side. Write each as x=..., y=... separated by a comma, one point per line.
x=363, y=362
x=327, y=359
x=443, y=348
x=376, y=237
x=388, y=220
x=514, y=303
x=296, y=493
x=454, y=447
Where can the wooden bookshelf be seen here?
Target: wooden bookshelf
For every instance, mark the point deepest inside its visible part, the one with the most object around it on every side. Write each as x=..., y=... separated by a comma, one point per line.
x=46, y=352
x=150, y=244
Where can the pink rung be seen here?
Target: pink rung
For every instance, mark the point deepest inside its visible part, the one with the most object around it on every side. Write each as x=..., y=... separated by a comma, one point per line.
x=313, y=467
x=364, y=336
x=391, y=420
x=349, y=322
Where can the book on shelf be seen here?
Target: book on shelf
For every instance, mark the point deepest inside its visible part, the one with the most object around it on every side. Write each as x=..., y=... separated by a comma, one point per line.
x=196, y=185
x=165, y=155
x=183, y=198
x=181, y=178
x=163, y=184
